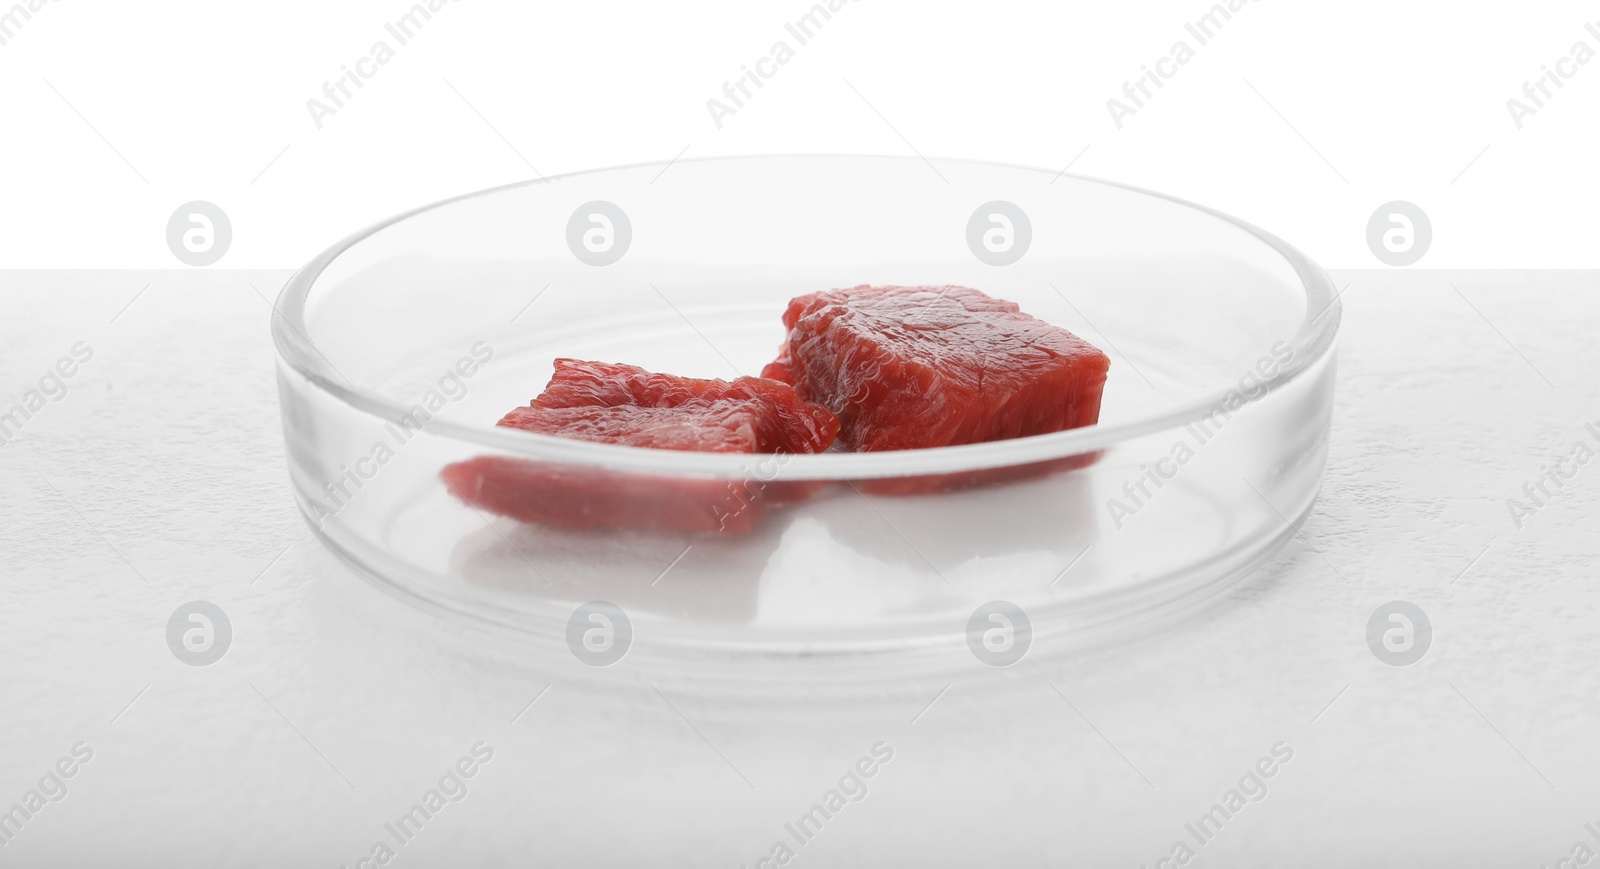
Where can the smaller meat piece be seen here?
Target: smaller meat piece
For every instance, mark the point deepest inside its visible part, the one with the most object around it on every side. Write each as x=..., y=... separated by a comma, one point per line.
x=627, y=405
x=795, y=426
x=564, y=496
x=733, y=426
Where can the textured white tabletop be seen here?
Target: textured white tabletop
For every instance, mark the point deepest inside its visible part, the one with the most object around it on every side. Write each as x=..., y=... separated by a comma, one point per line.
x=158, y=478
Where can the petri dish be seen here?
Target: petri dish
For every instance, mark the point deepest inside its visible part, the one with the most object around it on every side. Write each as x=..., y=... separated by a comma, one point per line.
x=400, y=346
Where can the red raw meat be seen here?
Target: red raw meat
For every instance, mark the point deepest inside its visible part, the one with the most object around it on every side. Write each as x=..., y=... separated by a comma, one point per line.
x=914, y=367
x=734, y=426
x=800, y=428
x=623, y=404
x=569, y=496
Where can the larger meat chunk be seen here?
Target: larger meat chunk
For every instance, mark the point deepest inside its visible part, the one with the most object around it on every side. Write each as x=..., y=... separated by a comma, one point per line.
x=913, y=367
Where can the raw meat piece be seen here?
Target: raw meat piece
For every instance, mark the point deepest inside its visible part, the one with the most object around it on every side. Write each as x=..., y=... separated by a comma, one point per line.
x=913, y=367
x=623, y=404
x=569, y=496
x=800, y=427
x=733, y=426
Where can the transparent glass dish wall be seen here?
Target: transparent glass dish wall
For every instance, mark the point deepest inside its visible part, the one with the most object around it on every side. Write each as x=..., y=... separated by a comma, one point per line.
x=401, y=346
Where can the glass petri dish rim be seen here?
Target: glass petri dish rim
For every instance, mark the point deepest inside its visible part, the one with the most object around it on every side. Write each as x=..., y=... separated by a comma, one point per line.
x=1311, y=342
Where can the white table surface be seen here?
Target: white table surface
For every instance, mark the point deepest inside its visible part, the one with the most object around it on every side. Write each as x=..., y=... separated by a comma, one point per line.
x=159, y=478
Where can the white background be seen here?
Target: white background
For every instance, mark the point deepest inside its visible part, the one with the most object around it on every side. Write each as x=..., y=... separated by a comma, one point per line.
x=338, y=704
x=1302, y=118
